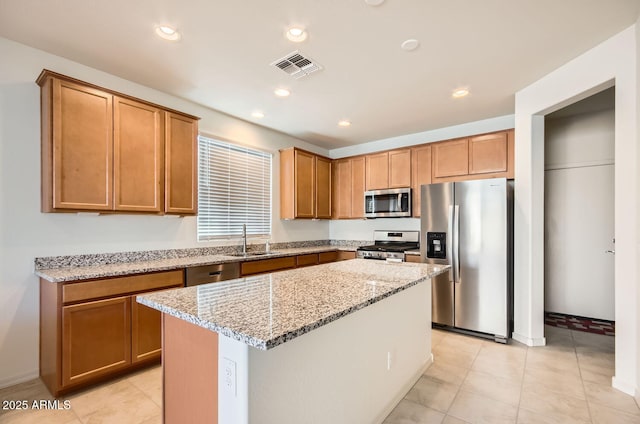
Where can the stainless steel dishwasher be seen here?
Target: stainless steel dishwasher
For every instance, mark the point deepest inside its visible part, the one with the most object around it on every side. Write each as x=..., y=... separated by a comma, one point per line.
x=211, y=273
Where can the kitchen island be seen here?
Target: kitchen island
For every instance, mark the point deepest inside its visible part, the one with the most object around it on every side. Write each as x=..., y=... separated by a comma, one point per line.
x=339, y=343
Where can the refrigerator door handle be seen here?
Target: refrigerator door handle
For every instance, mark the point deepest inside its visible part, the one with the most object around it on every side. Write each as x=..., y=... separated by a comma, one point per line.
x=449, y=241
x=456, y=244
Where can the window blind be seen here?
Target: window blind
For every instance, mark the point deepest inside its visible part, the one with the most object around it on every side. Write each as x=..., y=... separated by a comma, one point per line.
x=234, y=188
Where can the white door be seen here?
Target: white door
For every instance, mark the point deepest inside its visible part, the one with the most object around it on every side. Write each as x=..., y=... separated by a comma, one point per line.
x=579, y=228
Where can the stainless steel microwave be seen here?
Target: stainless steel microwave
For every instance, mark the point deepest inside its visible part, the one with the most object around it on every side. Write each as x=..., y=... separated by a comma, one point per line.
x=393, y=202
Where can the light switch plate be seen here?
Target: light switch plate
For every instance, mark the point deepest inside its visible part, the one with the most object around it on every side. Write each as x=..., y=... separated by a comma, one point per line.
x=229, y=376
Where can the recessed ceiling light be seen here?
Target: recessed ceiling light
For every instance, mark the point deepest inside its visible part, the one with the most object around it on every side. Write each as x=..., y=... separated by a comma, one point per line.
x=167, y=32
x=344, y=123
x=281, y=92
x=257, y=114
x=374, y=2
x=410, y=44
x=296, y=34
x=460, y=92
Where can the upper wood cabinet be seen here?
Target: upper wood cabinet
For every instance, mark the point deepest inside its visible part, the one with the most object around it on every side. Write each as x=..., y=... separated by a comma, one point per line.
x=77, y=147
x=420, y=174
x=377, y=171
x=105, y=151
x=348, y=188
x=181, y=164
x=488, y=153
x=323, y=187
x=400, y=168
x=388, y=169
x=305, y=185
x=450, y=158
x=138, y=146
x=482, y=156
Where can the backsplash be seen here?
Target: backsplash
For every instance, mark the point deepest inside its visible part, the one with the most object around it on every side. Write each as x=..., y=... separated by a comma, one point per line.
x=51, y=262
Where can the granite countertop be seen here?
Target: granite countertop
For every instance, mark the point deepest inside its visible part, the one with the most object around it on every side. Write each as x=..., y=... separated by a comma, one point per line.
x=267, y=310
x=101, y=270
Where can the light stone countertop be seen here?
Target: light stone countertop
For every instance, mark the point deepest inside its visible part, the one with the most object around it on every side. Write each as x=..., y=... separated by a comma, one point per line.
x=74, y=273
x=267, y=310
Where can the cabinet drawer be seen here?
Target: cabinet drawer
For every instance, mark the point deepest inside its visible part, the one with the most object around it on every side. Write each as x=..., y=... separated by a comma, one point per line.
x=344, y=255
x=306, y=260
x=75, y=292
x=325, y=257
x=267, y=265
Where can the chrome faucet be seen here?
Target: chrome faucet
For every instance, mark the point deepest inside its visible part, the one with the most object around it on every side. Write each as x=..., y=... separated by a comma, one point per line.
x=244, y=239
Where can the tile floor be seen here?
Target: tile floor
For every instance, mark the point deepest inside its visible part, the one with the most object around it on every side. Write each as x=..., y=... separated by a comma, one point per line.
x=471, y=381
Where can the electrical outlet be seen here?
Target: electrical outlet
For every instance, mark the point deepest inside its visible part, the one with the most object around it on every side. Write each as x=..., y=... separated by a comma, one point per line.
x=229, y=376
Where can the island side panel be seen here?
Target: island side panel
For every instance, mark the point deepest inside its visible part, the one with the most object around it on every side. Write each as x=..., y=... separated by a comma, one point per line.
x=190, y=372
x=337, y=373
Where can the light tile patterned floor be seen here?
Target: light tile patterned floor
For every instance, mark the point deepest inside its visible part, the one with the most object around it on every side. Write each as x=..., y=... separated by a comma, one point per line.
x=471, y=381
x=479, y=381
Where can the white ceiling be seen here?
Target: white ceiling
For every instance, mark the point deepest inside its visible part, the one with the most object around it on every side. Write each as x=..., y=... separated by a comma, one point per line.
x=494, y=47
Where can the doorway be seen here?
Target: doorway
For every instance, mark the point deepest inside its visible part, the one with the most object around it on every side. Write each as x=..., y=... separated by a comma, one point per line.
x=579, y=215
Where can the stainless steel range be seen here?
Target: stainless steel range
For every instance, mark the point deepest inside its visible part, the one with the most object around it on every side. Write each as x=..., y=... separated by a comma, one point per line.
x=390, y=245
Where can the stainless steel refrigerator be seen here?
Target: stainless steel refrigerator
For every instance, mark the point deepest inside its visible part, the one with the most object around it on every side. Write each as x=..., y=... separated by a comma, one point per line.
x=469, y=225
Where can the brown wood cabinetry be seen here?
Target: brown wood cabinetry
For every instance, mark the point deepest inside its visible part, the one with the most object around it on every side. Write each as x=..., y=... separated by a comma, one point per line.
x=488, y=153
x=420, y=174
x=323, y=188
x=400, y=168
x=377, y=171
x=348, y=188
x=482, y=156
x=94, y=330
x=96, y=339
x=390, y=169
x=105, y=151
x=77, y=147
x=305, y=185
x=450, y=158
x=267, y=265
x=412, y=258
x=146, y=332
x=181, y=164
x=138, y=148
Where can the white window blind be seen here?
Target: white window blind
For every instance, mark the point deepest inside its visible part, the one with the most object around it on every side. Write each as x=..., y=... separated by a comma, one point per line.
x=234, y=188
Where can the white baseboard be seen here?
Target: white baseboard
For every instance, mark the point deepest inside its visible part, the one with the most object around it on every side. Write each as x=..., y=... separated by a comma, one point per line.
x=541, y=341
x=19, y=378
x=625, y=387
x=405, y=389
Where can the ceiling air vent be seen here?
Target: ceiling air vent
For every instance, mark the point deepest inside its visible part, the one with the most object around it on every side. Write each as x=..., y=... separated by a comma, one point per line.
x=297, y=65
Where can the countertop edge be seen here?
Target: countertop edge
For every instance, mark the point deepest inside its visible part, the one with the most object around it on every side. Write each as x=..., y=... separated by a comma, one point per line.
x=272, y=343
x=92, y=272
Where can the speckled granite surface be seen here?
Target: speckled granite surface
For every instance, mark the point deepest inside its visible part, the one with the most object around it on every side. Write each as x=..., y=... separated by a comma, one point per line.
x=267, y=310
x=100, y=269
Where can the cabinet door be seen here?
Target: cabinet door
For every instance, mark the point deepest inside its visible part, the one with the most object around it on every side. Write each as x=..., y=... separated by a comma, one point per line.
x=400, y=168
x=357, y=187
x=304, y=183
x=488, y=153
x=421, y=174
x=146, y=332
x=377, y=171
x=342, y=189
x=450, y=158
x=96, y=339
x=138, y=145
x=323, y=188
x=181, y=168
x=82, y=147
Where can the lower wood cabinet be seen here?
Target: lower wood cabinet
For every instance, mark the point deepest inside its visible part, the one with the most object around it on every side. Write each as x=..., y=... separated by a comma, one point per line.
x=96, y=339
x=93, y=330
x=146, y=329
x=288, y=262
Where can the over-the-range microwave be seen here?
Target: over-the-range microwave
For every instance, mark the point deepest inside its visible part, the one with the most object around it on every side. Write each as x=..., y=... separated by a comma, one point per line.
x=393, y=202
